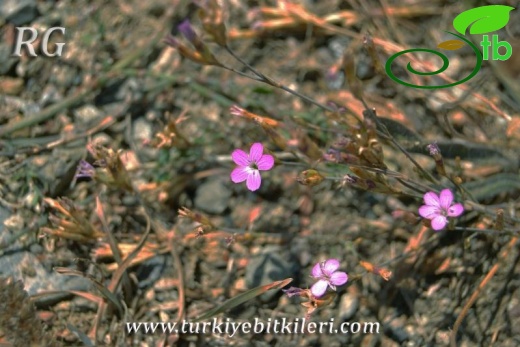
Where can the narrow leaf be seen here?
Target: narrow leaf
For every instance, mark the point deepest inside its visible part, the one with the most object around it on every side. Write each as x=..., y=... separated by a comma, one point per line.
x=401, y=132
x=104, y=291
x=489, y=187
x=475, y=152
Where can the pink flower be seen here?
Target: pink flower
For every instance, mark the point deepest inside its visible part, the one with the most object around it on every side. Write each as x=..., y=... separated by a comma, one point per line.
x=249, y=165
x=327, y=276
x=438, y=208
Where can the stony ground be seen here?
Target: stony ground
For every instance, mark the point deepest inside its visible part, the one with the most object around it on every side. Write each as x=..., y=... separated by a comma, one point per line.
x=118, y=85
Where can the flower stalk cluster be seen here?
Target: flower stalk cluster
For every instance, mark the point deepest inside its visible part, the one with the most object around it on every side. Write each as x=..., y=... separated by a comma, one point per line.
x=198, y=52
x=70, y=223
x=110, y=169
x=204, y=225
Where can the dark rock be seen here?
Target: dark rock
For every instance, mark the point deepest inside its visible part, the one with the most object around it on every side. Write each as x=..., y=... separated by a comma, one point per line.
x=150, y=271
x=396, y=331
x=274, y=263
x=18, y=12
x=6, y=60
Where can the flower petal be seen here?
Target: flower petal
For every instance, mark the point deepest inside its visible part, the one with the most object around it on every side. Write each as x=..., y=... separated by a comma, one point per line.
x=240, y=174
x=266, y=162
x=253, y=180
x=431, y=199
x=427, y=211
x=338, y=278
x=330, y=266
x=256, y=151
x=446, y=198
x=319, y=288
x=439, y=222
x=316, y=271
x=456, y=210
x=240, y=157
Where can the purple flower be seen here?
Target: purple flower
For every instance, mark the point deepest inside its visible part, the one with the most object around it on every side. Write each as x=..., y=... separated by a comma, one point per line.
x=434, y=149
x=438, y=208
x=85, y=170
x=327, y=276
x=187, y=30
x=292, y=291
x=249, y=165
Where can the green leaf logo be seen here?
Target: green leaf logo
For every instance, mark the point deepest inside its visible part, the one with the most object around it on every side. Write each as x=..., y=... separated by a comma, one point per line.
x=482, y=19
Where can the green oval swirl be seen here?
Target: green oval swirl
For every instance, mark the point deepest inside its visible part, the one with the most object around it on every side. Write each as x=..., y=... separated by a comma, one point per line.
x=445, y=65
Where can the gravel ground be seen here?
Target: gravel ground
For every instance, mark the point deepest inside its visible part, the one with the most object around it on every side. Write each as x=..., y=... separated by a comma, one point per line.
x=165, y=124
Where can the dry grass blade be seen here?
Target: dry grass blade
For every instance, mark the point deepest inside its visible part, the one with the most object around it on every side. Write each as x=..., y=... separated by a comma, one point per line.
x=113, y=299
x=119, y=273
x=113, y=245
x=476, y=293
x=86, y=295
x=244, y=297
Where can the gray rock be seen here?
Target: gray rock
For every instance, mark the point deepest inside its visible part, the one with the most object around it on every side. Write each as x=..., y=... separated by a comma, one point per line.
x=25, y=106
x=274, y=263
x=348, y=306
x=50, y=95
x=129, y=89
x=142, y=130
x=212, y=197
x=87, y=114
x=364, y=68
x=10, y=226
x=18, y=12
x=26, y=267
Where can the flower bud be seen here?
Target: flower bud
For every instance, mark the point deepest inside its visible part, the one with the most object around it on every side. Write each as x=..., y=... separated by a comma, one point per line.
x=349, y=68
x=196, y=217
x=435, y=152
x=384, y=273
x=310, y=178
x=212, y=18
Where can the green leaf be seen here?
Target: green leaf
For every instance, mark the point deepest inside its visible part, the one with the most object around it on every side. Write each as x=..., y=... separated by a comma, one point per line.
x=482, y=19
x=241, y=298
x=402, y=133
x=489, y=187
x=479, y=154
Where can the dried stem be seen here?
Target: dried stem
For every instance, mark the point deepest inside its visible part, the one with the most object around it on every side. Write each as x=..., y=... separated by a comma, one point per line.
x=474, y=296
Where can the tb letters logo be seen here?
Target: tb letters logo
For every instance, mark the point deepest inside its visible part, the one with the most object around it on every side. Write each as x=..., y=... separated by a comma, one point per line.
x=20, y=34
x=479, y=20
